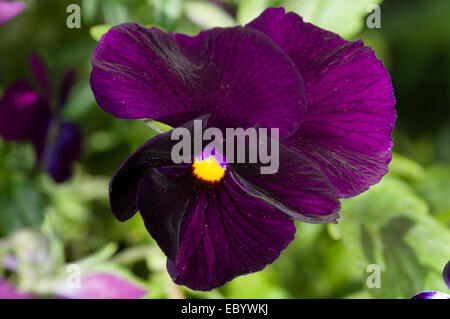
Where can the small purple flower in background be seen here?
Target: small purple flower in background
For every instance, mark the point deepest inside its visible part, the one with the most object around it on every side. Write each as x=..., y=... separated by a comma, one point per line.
x=331, y=99
x=8, y=10
x=8, y=291
x=437, y=294
x=26, y=115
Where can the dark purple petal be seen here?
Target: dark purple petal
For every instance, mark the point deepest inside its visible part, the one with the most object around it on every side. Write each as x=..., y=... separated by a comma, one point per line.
x=39, y=70
x=299, y=188
x=237, y=75
x=102, y=286
x=66, y=86
x=347, y=127
x=446, y=274
x=210, y=235
x=7, y=290
x=8, y=10
x=64, y=148
x=123, y=187
x=431, y=295
x=22, y=114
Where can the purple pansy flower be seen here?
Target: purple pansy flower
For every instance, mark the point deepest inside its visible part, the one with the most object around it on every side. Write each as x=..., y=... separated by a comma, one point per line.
x=26, y=115
x=101, y=285
x=331, y=99
x=437, y=294
x=8, y=10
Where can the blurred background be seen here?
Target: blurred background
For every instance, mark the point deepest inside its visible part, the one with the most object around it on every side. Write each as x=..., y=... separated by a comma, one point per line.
x=402, y=224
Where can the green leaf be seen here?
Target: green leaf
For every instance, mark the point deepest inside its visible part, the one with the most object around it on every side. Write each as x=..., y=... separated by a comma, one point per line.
x=434, y=187
x=97, y=31
x=390, y=226
x=207, y=15
x=340, y=16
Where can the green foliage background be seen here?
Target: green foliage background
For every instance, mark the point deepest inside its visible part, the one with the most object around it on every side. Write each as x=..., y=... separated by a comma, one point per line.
x=401, y=224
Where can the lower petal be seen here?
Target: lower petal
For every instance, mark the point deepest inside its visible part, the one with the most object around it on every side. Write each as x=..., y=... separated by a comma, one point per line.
x=210, y=234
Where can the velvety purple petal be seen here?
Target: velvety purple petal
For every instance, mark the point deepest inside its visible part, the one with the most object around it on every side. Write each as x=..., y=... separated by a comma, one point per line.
x=8, y=10
x=66, y=86
x=446, y=274
x=22, y=114
x=431, y=295
x=347, y=127
x=8, y=291
x=299, y=187
x=39, y=70
x=102, y=286
x=64, y=148
x=210, y=234
x=237, y=75
x=156, y=152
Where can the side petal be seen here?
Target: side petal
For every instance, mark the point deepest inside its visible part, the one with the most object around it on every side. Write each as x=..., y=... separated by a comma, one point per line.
x=156, y=152
x=22, y=113
x=8, y=291
x=237, y=75
x=347, y=127
x=299, y=188
x=8, y=10
x=64, y=140
x=210, y=235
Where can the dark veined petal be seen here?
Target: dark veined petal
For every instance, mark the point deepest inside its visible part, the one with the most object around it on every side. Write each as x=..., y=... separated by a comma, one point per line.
x=446, y=274
x=22, y=113
x=431, y=295
x=299, y=187
x=63, y=149
x=39, y=71
x=8, y=10
x=155, y=152
x=210, y=235
x=347, y=127
x=237, y=75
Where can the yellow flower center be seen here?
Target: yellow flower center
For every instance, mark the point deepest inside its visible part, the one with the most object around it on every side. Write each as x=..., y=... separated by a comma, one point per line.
x=208, y=169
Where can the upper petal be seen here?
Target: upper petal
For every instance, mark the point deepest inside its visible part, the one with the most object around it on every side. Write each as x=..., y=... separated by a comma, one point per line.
x=210, y=235
x=347, y=127
x=63, y=150
x=8, y=10
x=446, y=274
x=23, y=115
x=237, y=75
x=40, y=74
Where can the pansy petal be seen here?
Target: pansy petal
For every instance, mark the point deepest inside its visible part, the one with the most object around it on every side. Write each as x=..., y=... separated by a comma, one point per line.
x=446, y=274
x=64, y=148
x=210, y=235
x=22, y=113
x=299, y=187
x=39, y=70
x=431, y=295
x=8, y=10
x=156, y=152
x=101, y=285
x=347, y=127
x=237, y=75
